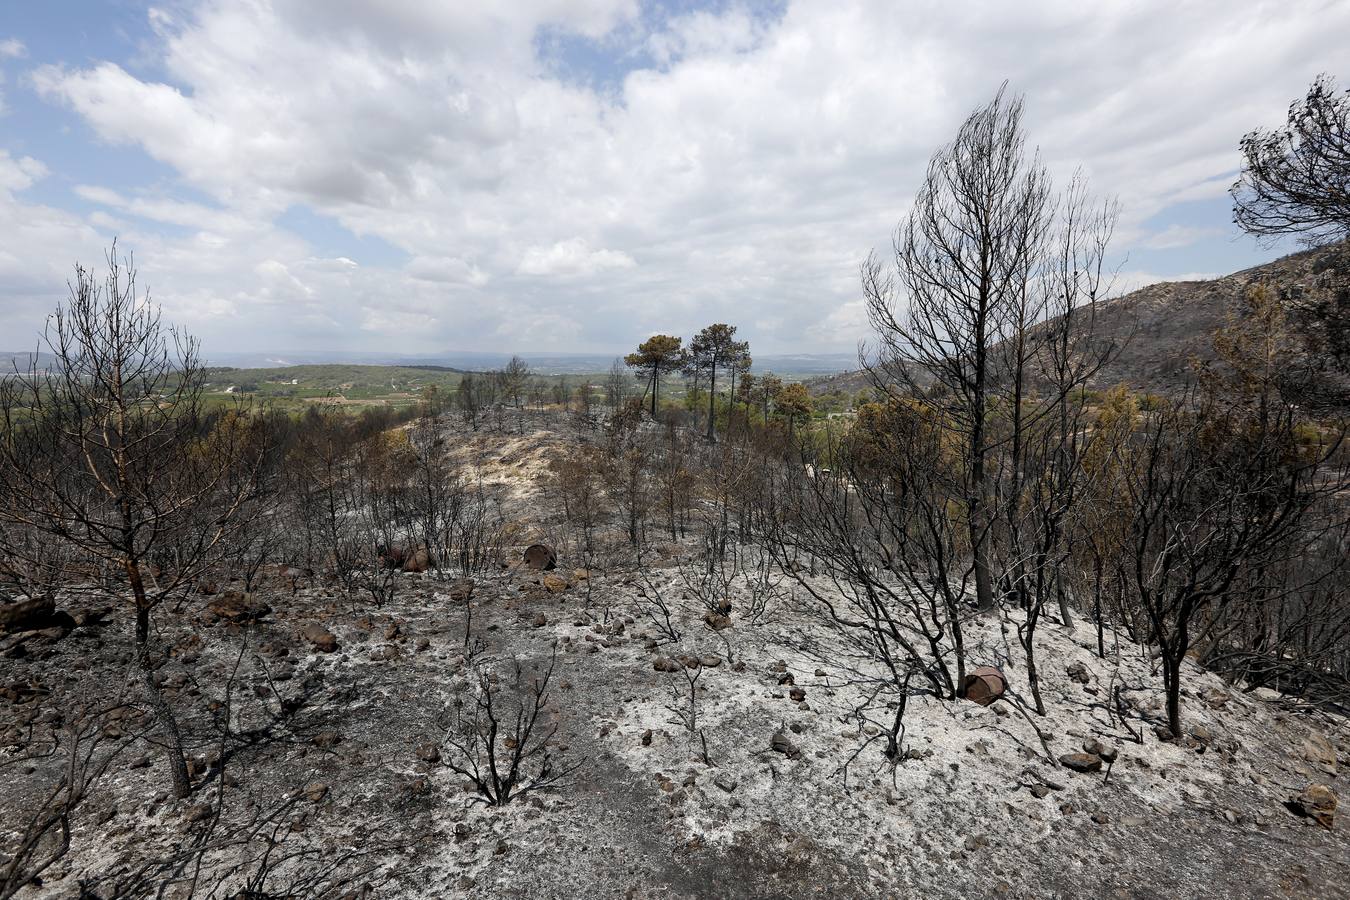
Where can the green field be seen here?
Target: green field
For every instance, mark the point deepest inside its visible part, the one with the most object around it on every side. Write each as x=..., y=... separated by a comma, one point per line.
x=295, y=387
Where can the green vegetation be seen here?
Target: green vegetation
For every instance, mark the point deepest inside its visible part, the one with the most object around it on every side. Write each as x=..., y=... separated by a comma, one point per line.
x=293, y=388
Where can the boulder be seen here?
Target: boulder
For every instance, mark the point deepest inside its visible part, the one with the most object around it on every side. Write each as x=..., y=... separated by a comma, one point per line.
x=391, y=557
x=555, y=584
x=323, y=640
x=717, y=621
x=1094, y=747
x=780, y=744
x=540, y=557
x=238, y=607
x=666, y=664
x=1081, y=762
x=1320, y=751
x=1078, y=672
x=1317, y=802
x=24, y=615
x=419, y=560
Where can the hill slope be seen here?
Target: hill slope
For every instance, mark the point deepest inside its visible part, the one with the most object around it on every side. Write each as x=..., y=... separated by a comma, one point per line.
x=1162, y=328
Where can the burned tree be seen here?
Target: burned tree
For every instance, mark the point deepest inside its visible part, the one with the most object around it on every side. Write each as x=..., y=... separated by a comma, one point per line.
x=502, y=738
x=964, y=257
x=1294, y=179
x=1217, y=497
x=108, y=448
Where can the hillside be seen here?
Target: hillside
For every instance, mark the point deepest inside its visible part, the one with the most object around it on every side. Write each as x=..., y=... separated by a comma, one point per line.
x=1163, y=328
x=778, y=787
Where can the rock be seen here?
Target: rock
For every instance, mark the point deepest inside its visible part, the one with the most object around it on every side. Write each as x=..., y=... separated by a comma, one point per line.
x=423, y=644
x=1094, y=747
x=647, y=738
x=234, y=606
x=555, y=584
x=24, y=615
x=1164, y=734
x=540, y=620
x=326, y=740
x=315, y=791
x=199, y=812
x=1039, y=791
x=540, y=557
x=1318, y=802
x=710, y=661
x=1078, y=672
x=1081, y=762
x=1202, y=734
x=420, y=560
x=428, y=752
x=461, y=590
x=323, y=640
x=666, y=664
x=1215, y=697
x=1320, y=751
x=1101, y=818
x=717, y=621
x=780, y=744
x=726, y=781
x=798, y=694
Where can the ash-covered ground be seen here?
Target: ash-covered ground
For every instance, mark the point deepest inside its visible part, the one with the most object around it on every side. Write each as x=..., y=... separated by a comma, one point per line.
x=317, y=733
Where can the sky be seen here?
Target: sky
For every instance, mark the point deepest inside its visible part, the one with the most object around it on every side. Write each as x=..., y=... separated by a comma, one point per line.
x=573, y=175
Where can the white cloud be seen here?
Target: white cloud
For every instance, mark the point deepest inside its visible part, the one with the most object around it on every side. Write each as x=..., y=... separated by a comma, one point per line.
x=1174, y=237
x=12, y=48
x=748, y=171
x=572, y=257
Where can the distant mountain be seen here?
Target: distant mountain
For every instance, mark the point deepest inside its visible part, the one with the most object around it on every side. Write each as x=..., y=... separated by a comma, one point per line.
x=21, y=360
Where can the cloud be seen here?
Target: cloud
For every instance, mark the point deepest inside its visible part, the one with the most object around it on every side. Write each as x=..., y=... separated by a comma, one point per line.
x=1174, y=237
x=12, y=48
x=572, y=257
x=736, y=167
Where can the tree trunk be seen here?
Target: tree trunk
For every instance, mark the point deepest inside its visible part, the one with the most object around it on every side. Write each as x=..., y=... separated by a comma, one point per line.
x=1064, y=614
x=712, y=402
x=984, y=583
x=1172, y=686
x=1033, y=678
x=173, y=738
